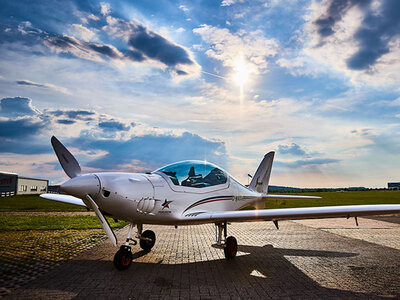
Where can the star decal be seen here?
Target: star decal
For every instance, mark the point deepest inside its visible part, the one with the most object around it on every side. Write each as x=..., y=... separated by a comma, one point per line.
x=166, y=204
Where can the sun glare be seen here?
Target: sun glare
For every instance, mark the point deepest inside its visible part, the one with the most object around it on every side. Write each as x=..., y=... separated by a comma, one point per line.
x=242, y=71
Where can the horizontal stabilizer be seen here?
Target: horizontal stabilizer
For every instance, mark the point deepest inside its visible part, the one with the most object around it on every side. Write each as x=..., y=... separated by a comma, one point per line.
x=290, y=197
x=64, y=198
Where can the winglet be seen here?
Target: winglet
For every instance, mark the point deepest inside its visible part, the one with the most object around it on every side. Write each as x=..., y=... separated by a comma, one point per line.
x=67, y=160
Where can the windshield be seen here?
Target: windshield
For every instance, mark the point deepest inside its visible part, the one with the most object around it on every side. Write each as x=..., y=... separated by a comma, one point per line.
x=193, y=173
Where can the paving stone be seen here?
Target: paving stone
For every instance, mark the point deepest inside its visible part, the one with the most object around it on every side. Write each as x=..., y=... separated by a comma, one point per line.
x=298, y=261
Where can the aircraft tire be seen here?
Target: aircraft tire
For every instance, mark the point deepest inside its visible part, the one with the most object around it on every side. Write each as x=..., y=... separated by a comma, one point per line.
x=230, y=249
x=123, y=258
x=147, y=245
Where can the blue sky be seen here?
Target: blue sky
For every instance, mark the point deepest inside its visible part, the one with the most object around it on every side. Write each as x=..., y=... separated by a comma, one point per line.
x=135, y=85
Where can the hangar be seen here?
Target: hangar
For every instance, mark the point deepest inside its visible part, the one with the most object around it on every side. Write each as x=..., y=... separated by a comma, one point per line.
x=394, y=185
x=12, y=184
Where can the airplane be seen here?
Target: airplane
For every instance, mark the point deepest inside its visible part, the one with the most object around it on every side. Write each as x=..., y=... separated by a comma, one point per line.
x=184, y=193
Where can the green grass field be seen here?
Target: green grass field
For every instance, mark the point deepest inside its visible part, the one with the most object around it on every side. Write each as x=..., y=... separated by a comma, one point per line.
x=34, y=203
x=12, y=223
x=337, y=198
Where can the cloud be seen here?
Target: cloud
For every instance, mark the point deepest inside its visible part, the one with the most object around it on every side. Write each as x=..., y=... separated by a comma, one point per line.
x=142, y=46
x=79, y=114
x=301, y=163
x=66, y=122
x=90, y=132
x=230, y=2
x=229, y=47
x=81, y=49
x=113, y=126
x=19, y=128
x=81, y=32
x=43, y=85
x=105, y=8
x=153, y=46
x=292, y=149
x=183, y=8
x=152, y=151
x=374, y=35
x=360, y=39
x=17, y=106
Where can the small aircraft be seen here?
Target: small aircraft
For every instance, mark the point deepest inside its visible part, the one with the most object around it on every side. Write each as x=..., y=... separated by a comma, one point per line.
x=184, y=193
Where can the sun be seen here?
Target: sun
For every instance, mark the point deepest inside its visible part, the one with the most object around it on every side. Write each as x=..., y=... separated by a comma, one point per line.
x=242, y=71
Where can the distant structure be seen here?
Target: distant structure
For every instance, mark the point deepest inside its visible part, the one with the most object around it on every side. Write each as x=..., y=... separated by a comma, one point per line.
x=394, y=186
x=11, y=184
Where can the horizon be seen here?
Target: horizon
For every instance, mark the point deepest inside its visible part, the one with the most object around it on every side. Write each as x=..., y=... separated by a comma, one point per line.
x=132, y=87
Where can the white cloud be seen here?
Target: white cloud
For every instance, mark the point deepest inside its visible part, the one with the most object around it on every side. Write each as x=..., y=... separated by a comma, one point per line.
x=229, y=47
x=329, y=54
x=81, y=32
x=105, y=8
x=180, y=29
x=183, y=8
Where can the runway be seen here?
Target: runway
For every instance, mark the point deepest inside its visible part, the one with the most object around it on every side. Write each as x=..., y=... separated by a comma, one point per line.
x=303, y=260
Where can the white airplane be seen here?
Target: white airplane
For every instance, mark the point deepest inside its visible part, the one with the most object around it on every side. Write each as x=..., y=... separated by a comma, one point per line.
x=184, y=193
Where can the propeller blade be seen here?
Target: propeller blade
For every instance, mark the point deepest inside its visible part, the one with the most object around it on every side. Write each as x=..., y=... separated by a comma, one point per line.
x=67, y=160
x=103, y=221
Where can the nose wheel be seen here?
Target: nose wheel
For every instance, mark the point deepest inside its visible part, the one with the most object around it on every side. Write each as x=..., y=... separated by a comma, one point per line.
x=123, y=257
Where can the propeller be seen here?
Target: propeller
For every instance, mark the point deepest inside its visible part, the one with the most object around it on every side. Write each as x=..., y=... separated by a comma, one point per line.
x=68, y=162
x=84, y=187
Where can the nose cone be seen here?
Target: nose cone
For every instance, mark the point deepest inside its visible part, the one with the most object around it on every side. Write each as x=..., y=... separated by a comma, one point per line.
x=80, y=186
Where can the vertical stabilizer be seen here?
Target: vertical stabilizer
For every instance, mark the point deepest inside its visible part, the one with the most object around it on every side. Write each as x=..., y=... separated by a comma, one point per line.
x=260, y=179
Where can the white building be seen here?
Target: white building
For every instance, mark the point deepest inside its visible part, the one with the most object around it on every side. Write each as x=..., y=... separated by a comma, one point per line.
x=11, y=184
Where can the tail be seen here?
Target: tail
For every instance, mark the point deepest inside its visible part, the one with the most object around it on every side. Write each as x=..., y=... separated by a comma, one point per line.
x=260, y=179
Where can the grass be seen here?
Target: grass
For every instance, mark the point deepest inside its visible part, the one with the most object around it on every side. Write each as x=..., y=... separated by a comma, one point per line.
x=337, y=198
x=34, y=203
x=15, y=223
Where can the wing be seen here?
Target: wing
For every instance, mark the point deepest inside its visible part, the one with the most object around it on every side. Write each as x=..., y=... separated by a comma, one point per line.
x=289, y=197
x=293, y=213
x=64, y=198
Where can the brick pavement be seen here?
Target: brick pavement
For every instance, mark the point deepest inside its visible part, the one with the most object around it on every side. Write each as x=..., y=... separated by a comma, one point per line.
x=296, y=261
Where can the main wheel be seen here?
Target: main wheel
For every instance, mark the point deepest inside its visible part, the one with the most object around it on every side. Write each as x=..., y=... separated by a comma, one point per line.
x=123, y=258
x=145, y=244
x=230, y=247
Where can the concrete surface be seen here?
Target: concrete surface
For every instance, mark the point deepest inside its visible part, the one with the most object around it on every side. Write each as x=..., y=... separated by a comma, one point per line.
x=303, y=260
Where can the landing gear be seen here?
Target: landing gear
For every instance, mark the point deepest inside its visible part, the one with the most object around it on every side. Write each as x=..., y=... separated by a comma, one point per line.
x=229, y=245
x=123, y=257
x=147, y=240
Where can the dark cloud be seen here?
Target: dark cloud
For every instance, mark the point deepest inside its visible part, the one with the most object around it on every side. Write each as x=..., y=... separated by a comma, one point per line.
x=17, y=106
x=307, y=162
x=113, y=126
x=152, y=151
x=86, y=50
x=29, y=83
x=79, y=114
x=377, y=29
x=66, y=122
x=292, y=149
x=374, y=35
x=145, y=43
x=157, y=47
x=336, y=10
x=19, y=128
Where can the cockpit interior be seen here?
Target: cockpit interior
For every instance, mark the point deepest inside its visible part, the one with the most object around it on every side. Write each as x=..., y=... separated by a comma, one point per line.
x=195, y=174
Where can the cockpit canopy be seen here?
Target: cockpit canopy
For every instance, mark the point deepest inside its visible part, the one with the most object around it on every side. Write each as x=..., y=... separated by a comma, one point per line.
x=194, y=173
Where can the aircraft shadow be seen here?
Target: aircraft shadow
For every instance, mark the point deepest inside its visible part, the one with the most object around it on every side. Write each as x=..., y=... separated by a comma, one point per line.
x=263, y=272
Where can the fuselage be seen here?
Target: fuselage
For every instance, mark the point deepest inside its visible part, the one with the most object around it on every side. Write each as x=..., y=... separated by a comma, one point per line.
x=155, y=198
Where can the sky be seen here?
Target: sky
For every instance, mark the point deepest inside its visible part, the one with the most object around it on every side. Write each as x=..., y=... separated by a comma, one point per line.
x=134, y=85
